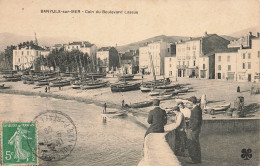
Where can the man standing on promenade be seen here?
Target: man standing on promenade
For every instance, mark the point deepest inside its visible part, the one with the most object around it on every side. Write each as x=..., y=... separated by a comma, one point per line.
x=157, y=118
x=193, y=131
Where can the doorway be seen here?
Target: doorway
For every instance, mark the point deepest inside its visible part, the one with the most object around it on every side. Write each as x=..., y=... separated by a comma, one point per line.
x=249, y=77
x=219, y=75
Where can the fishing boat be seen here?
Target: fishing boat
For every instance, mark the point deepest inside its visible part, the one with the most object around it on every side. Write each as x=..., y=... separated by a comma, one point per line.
x=4, y=87
x=8, y=72
x=169, y=86
x=112, y=114
x=76, y=85
x=141, y=104
x=96, y=75
x=13, y=77
x=154, y=93
x=218, y=107
x=94, y=84
x=42, y=83
x=125, y=77
x=183, y=90
x=123, y=87
x=59, y=83
x=162, y=97
x=146, y=88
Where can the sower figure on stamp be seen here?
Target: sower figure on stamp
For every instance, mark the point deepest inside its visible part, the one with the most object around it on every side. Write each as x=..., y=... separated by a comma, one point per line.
x=16, y=139
x=180, y=135
x=157, y=118
x=193, y=131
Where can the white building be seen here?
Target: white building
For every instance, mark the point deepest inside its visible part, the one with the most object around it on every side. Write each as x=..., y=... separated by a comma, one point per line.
x=84, y=47
x=24, y=57
x=226, y=64
x=248, y=66
x=240, y=63
x=144, y=60
x=170, y=66
x=156, y=52
x=195, y=57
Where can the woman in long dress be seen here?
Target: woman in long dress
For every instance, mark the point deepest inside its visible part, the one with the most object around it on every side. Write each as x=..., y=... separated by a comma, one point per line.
x=16, y=139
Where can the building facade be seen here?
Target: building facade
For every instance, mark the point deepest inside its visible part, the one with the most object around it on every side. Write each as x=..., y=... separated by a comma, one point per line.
x=153, y=55
x=241, y=62
x=107, y=59
x=195, y=57
x=24, y=56
x=84, y=46
x=226, y=64
x=249, y=62
x=170, y=66
x=144, y=61
x=129, y=62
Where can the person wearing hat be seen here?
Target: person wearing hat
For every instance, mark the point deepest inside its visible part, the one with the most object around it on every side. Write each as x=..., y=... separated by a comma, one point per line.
x=179, y=126
x=193, y=132
x=157, y=118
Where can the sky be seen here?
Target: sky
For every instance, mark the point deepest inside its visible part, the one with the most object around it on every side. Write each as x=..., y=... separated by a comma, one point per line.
x=164, y=17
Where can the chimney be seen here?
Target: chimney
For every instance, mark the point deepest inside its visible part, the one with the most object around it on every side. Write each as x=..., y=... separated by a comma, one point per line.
x=250, y=33
x=190, y=38
x=257, y=34
x=205, y=34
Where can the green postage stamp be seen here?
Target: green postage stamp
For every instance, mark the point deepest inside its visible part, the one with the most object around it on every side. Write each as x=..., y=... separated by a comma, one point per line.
x=19, y=143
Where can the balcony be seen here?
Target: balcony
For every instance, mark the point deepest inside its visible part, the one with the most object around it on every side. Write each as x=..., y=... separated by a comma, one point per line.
x=182, y=66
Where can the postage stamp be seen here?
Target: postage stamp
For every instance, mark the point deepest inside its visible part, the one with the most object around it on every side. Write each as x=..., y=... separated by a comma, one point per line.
x=57, y=135
x=16, y=149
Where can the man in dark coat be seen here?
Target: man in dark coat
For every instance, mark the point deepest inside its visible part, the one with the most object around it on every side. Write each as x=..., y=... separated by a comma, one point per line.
x=193, y=132
x=157, y=118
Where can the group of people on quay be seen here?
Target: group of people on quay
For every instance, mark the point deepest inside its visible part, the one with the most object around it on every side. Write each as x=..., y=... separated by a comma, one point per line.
x=187, y=126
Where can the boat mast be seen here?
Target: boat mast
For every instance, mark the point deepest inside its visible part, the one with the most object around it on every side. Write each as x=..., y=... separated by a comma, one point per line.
x=151, y=60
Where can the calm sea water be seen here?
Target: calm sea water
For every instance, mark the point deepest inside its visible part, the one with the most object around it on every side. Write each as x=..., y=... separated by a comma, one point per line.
x=118, y=142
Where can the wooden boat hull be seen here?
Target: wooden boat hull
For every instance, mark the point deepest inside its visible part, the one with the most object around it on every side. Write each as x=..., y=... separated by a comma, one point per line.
x=219, y=107
x=125, y=77
x=141, y=104
x=96, y=75
x=4, y=87
x=163, y=97
x=146, y=89
x=94, y=86
x=42, y=83
x=166, y=86
x=12, y=78
x=60, y=84
x=124, y=87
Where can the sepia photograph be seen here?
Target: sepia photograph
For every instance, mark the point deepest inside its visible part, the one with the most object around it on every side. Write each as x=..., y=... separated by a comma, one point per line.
x=130, y=83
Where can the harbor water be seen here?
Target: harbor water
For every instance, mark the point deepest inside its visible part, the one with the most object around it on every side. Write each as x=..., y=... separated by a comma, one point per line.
x=119, y=141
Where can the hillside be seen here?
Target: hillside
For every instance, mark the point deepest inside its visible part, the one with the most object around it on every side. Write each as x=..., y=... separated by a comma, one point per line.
x=138, y=44
x=7, y=39
x=243, y=32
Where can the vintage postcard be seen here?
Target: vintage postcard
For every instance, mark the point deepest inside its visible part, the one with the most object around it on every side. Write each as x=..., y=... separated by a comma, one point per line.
x=130, y=83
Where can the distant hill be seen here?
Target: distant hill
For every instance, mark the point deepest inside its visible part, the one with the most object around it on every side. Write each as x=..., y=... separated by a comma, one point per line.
x=7, y=39
x=136, y=45
x=244, y=32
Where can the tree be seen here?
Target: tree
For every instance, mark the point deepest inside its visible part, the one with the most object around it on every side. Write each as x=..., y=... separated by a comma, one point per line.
x=74, y=61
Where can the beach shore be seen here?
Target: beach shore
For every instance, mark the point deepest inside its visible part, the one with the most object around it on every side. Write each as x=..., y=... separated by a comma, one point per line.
x=217, y=92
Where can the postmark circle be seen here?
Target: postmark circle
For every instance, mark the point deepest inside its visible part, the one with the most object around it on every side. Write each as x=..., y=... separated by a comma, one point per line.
x=57, y=135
